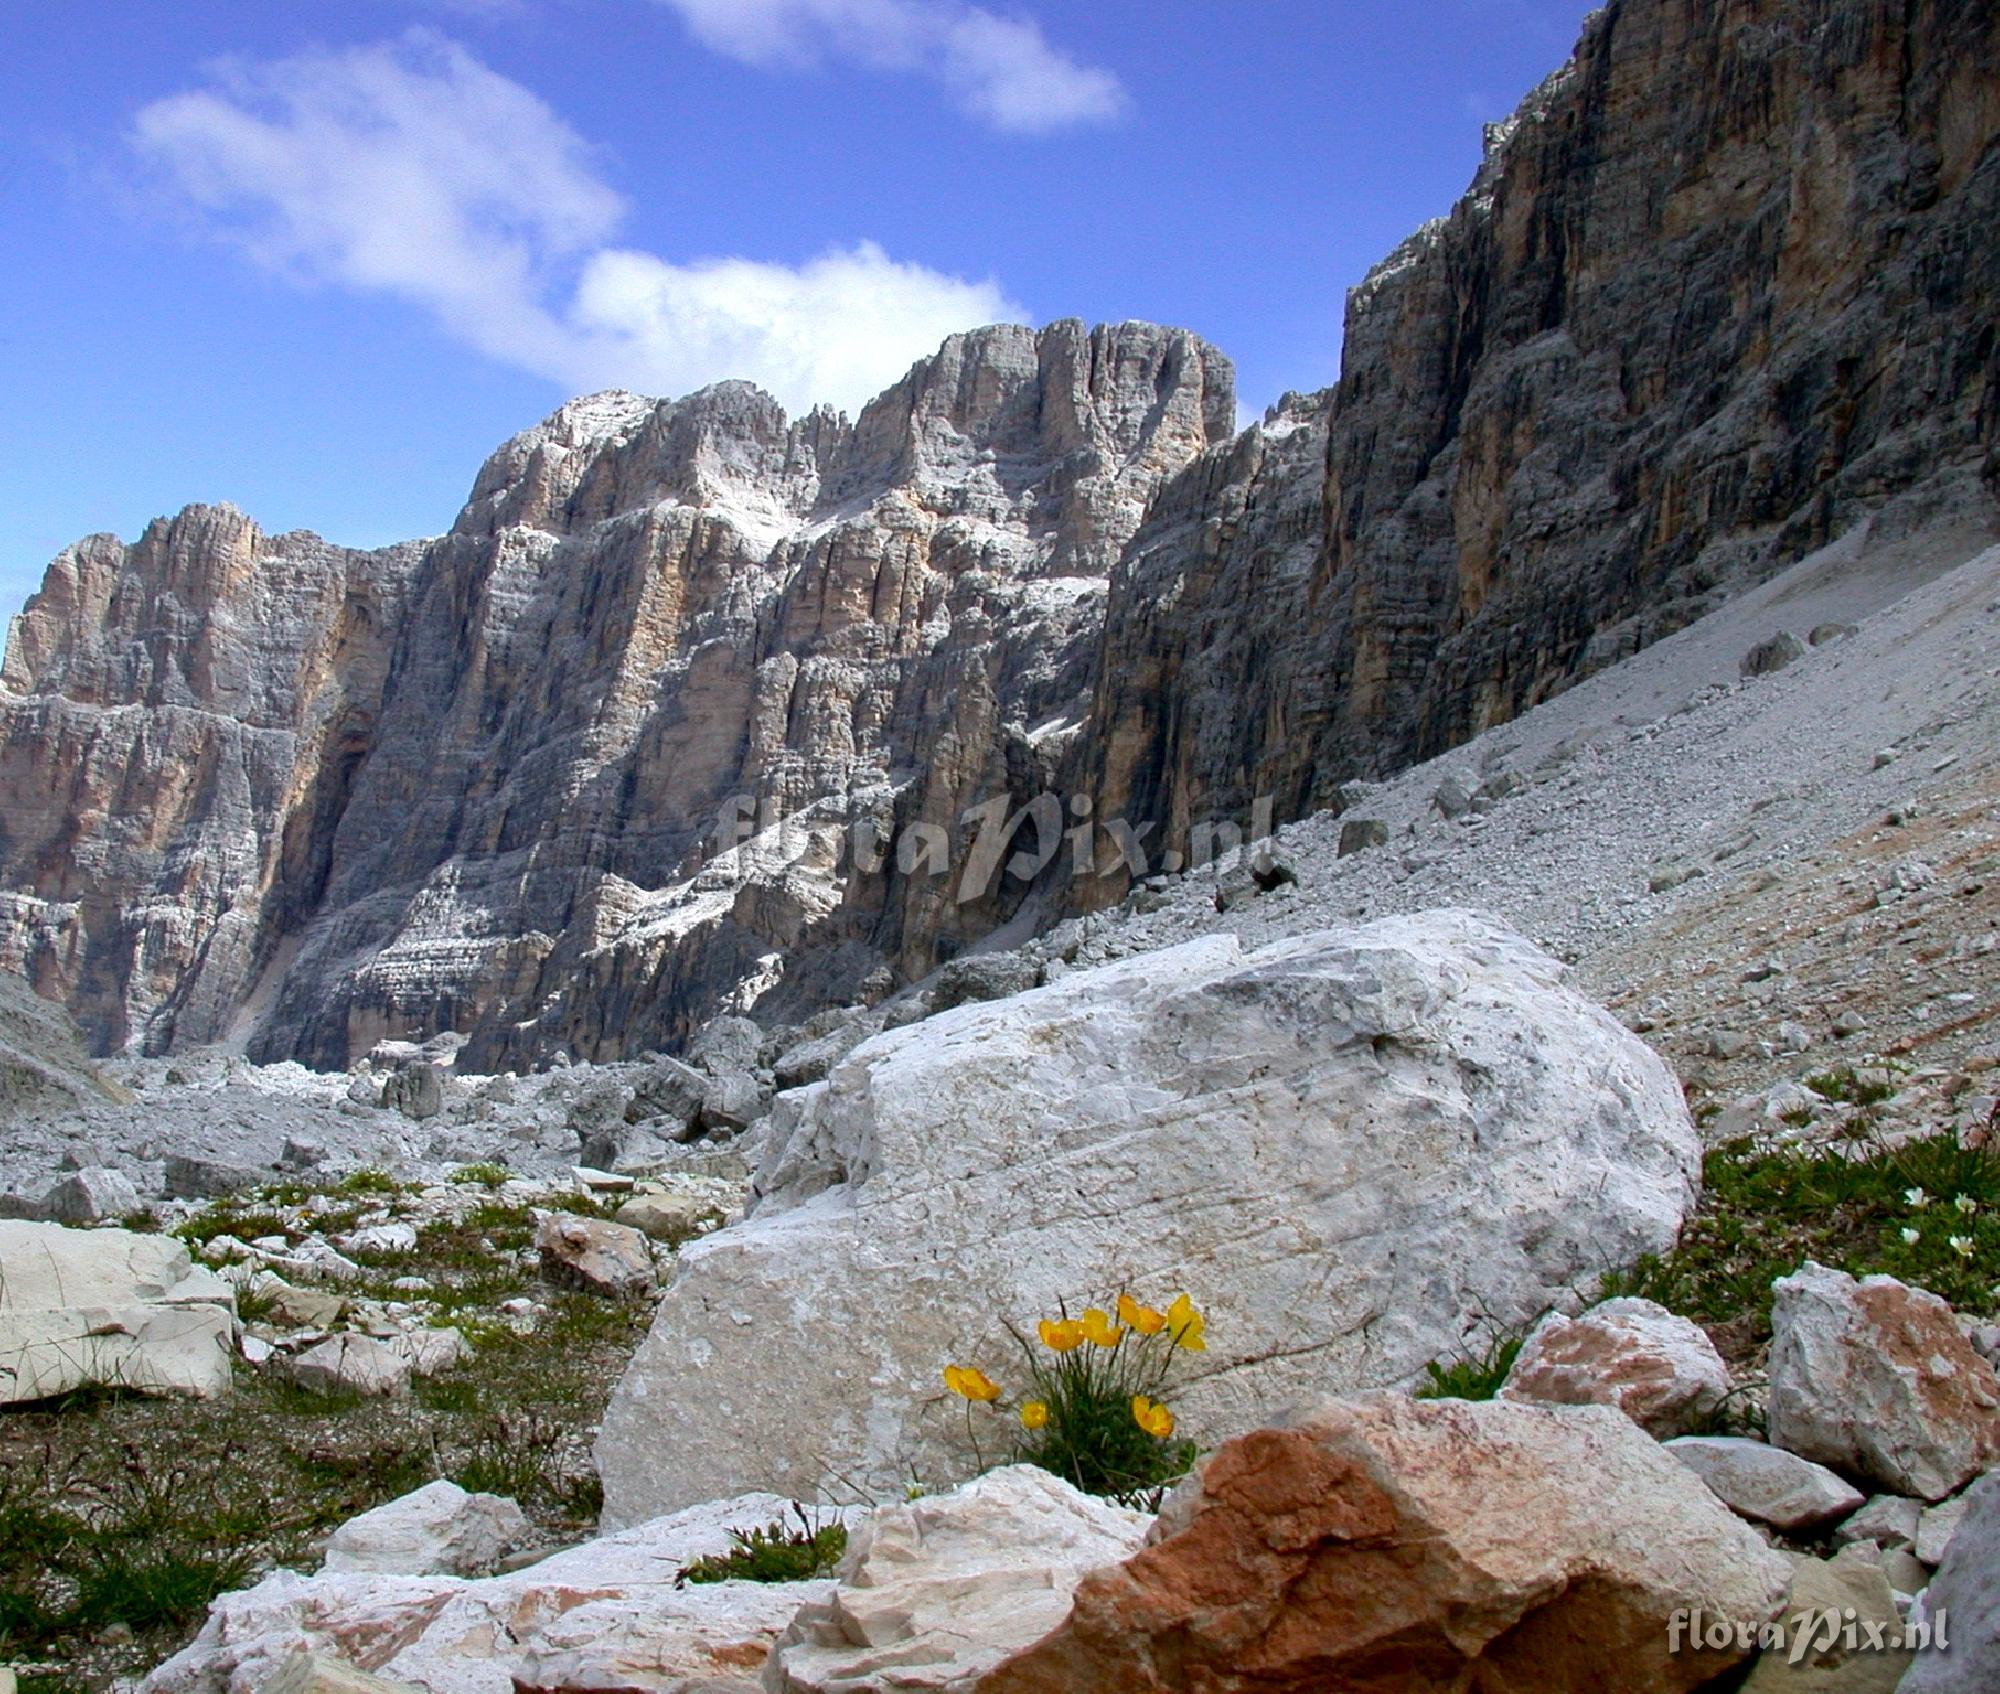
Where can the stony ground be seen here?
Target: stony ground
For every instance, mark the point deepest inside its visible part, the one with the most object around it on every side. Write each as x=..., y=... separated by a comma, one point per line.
x=1769, y=877
x=121, y=1516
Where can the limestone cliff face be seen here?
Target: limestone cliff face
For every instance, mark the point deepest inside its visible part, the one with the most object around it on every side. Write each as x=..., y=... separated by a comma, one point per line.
x=180, y=721
x=1725, y=284
x=321, y=798
x=616, y=752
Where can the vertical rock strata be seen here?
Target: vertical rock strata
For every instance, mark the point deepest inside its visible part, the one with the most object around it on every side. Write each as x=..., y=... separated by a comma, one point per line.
x=318, y=798
x=1723, y=287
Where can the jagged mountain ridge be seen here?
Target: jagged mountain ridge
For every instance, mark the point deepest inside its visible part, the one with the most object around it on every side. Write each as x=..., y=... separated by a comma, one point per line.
x=377, y=794
x=1724, y=286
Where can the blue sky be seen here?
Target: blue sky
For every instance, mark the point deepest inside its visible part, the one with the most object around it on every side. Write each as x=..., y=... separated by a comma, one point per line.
x=320, y=260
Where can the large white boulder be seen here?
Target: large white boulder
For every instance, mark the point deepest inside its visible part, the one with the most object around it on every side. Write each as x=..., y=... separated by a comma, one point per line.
x=603, y=1615
x=108, y=1308
x=1349, y=1148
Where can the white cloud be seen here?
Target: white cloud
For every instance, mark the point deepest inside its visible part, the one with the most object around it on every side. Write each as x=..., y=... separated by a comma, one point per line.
x=1001, y=69
x=410, y=168
x=841, y=326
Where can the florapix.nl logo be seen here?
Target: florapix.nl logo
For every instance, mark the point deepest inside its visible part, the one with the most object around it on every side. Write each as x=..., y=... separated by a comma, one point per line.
x=995, y=839
x=1808, y=1634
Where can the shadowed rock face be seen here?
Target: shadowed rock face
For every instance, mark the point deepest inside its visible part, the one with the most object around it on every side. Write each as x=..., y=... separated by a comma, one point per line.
x=1724, y=286
x=366, y=795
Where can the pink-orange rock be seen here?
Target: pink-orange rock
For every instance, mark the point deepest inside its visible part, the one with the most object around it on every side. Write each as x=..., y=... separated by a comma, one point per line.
x=597, y=1257
x=1383, y=1545
x=1660, y=1370
x=1876, y=1379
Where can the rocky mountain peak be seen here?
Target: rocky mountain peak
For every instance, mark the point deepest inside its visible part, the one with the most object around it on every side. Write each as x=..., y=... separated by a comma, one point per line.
x=1028, y=428
x=1722, y=290
x=614, y=453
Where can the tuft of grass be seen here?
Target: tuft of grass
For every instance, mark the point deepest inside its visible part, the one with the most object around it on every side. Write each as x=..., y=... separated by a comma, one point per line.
x=1843, y=1085
x=530, y=1457
x=1473, y=1376
x=584, y=1205
x=1766, y=1210
x=778, y=1552
x=449, y=1393
x=147, y=1546
x=252, y=1307
x=291, y=1193
x=157, y=1587
x=370, y=1181
x=347, y=1478
x=488, y=1174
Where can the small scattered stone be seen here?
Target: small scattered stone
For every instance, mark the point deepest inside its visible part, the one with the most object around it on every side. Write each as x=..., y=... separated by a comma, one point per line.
x=1758, y=1481
x=1660, y=1370
x=440, y=1530
x=1850, y=1592
x=300, y=1308
x=1773, y=654
x=353, y=1364
x=416, y=1090
x=1875, y=1379
x=1453, y=796
x=1966, y=1591
x=386, y=1238
x=188, y=1178
x=431, y=1351
x=92, y=1195
x=730, y=1105
x=1357, y=835
x=671, y=1218
x=598, y=1257
x=1888, y=1520
x=1937, y=1526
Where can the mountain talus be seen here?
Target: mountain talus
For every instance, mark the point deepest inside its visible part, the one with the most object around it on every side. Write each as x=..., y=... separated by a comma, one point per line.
x=1723, y=287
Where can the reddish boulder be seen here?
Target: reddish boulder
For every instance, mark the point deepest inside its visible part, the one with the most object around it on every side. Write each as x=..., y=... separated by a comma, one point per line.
x=1383, y=1545
x=1875, y=1379
x=1660, y=1370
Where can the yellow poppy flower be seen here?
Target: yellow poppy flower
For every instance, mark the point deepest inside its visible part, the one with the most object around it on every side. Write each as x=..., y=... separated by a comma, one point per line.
x=1035, y=1415
x=1186, y=1325
x=969, y=1383
x=1099, y=1330
x=1063, y=1337
x=1152, y=1417
x=1140, y=1318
